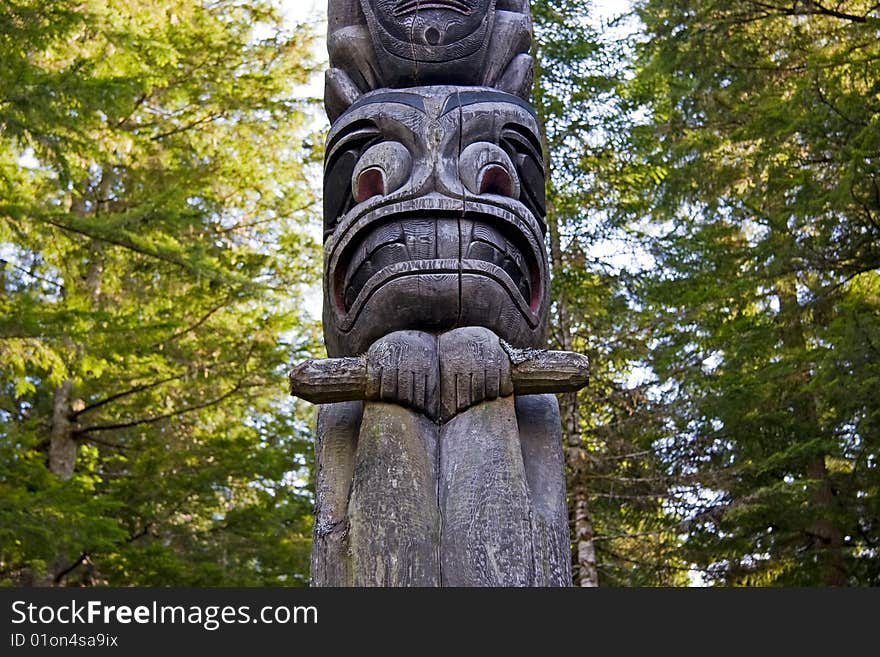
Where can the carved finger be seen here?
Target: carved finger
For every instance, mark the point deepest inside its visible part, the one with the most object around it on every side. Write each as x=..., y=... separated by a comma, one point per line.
x=462, y=391
x=389, y=384
x=432, y=397
x=478, y=386
x=406, y=388
x=493, y=382
x=374, y=383
x=419, y=393
x=506, y=381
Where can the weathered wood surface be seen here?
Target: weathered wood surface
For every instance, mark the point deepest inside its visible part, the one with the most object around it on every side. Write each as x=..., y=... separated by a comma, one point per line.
x=439, y=455
x=484, y=499
x=335, y=447
x=540, y=438
x=479, y=501
x=328, y=380
x=394, y=522
x=386, y=43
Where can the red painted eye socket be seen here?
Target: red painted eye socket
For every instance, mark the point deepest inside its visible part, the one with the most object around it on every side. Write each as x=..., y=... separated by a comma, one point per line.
x=495, y=179
x=370, y=183
x=382, y=169
x=484, y=168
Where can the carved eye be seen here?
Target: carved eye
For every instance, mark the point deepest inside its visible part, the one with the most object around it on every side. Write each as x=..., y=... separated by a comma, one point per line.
x=486, y=169
x=382, y=169
x=370, y=183
x=524, y=148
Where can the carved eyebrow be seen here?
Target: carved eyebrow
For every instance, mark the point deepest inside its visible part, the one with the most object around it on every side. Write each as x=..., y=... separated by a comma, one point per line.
x=400, y=98
x=466, y=98
x=361, y=131
x=404, y=7
x=528, y=140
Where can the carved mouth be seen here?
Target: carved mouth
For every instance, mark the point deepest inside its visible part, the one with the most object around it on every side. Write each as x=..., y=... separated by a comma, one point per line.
x=405, y=7
x=437, y=242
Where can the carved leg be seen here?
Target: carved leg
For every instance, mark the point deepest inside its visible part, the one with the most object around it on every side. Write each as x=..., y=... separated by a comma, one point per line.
x=541, y=440
x=484, y=499
x=394, y=520
x=336, y=443
x=494, y=473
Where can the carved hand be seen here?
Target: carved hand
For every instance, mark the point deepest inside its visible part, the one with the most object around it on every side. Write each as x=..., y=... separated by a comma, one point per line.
x=402, y=368
x=473, y=368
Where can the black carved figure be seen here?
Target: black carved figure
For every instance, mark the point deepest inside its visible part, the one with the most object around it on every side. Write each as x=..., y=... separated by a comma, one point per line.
x=376, y=44
x=439, y=454
x=434, y=206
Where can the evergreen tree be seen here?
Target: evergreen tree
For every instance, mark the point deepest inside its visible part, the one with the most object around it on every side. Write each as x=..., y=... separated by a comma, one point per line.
x=762, y=128
x=617, y=485
x=155, y=242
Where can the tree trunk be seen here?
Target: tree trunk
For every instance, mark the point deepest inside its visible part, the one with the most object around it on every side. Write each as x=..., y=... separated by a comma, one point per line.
x=826, y=537
x=586, y=570
x=62, y=444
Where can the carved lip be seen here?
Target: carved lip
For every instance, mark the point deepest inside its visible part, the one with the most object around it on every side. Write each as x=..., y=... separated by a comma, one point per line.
x=433, y=236
x=405, y=7
x=435, y=268
x=417, y=241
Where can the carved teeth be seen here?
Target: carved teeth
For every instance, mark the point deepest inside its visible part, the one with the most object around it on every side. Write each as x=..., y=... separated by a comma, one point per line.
x=405, y=7
x=435, y=238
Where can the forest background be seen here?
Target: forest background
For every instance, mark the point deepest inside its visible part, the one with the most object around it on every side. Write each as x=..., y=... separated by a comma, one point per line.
x=715, y=241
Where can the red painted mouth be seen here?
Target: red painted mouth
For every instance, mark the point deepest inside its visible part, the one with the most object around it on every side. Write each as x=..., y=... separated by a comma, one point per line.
x=405, y=7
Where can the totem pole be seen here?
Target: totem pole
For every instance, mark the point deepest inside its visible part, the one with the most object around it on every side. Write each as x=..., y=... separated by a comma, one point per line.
x=439, y=453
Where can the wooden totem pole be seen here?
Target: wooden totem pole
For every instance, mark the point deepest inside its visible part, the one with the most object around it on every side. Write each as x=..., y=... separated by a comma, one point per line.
x=439, y=452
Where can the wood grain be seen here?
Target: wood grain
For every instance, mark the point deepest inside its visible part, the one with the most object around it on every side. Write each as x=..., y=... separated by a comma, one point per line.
x=534, y=372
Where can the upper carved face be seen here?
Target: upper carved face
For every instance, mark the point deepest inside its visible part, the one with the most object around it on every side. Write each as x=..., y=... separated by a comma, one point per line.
x=434, y=206
x=430, y=30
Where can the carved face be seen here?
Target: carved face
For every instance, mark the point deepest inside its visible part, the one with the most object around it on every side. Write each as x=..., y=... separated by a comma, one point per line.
x=434, y=206
x=430, y=30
